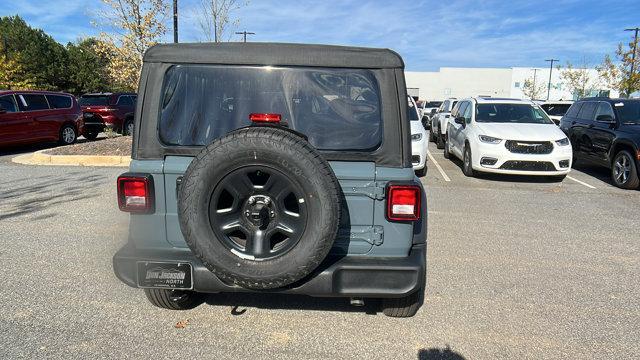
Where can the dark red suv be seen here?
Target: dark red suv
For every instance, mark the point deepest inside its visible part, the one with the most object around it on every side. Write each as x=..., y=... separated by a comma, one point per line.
x=112, y=110
x=39, y=116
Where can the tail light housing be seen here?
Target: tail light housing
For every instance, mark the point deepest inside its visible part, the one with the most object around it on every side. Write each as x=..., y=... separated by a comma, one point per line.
x=136, y=193
x=403, y=202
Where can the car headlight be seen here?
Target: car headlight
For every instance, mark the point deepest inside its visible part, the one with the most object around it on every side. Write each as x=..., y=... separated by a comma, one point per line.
x=416, y=137
x=563, y=142
x=489, y=139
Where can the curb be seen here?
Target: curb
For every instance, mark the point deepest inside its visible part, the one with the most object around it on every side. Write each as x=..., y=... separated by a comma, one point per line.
x=40, y=158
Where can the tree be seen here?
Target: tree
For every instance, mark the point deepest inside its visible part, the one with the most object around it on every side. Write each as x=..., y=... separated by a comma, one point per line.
x=42, y=59
x=617, y=74
x=12, y=75
x=130, y=28
x=87, y=67
x=533, y=90
x=215, y=18
x=578, y=80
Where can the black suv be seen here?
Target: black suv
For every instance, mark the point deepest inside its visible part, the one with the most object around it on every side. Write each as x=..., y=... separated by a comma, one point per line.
x=606, y=131
x=273, y=167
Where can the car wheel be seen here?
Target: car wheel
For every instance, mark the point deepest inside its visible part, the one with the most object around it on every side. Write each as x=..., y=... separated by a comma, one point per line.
x=440, y=141
x=174, y=299
x=91, y=135
x=445, y=152
x=422, y=172
x=624, y=172
x=262, y=217
x=403, y=307
x=406, y=306
x=467, y=167
x=127, y=129
x=68, y=134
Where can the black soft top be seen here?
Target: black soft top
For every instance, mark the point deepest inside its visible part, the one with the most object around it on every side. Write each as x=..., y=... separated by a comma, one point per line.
x=274, y=54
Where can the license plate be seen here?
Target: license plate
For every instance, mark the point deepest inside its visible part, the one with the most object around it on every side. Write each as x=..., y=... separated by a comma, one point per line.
x=165, y=275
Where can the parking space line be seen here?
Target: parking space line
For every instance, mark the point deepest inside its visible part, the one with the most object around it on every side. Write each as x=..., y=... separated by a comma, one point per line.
x=446, y=178
x=581, y=182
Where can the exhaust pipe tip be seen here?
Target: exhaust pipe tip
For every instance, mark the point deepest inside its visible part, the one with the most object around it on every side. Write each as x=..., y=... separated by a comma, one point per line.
x=357, y=302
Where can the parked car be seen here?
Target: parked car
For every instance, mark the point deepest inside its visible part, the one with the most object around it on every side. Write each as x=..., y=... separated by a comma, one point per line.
x=418, y=140
x=507, y=136
x=429, y=108
x=293, y=178
x=606, y=132
x=439, y=122
x=112, y=110
x=556, y=109
x=39, y=116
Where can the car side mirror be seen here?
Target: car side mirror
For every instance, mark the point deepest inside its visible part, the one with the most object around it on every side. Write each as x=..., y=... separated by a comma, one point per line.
x=460, y=120
x=605, y=119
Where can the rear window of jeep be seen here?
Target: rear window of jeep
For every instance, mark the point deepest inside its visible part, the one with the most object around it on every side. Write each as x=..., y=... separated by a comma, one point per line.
x=338, y=109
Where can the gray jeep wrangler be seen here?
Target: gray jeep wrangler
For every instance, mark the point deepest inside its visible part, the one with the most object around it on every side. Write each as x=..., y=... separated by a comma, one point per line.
x=283, y=168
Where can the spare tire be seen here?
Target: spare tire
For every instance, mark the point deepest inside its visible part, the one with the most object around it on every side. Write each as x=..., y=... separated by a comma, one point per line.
x=259, y=207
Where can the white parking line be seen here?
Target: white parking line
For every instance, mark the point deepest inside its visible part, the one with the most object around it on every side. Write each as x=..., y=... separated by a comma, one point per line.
x=581, y=182
x=446, y=178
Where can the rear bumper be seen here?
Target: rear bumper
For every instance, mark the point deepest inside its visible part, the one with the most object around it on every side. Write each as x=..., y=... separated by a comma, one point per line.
x=336, y=277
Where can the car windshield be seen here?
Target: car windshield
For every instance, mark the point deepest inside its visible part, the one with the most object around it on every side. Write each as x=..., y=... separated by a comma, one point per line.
x=555, y=109
x=628, y=111
x=92, y=100
x=412, y=112
x=511, y=113
x=433, y=104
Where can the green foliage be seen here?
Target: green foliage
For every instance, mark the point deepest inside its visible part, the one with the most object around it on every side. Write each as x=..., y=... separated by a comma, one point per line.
x=34, y=60
x=44, y=59
x=86, y=69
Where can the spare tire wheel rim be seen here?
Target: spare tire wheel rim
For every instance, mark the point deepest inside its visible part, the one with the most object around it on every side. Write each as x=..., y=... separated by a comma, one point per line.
x=257, y=212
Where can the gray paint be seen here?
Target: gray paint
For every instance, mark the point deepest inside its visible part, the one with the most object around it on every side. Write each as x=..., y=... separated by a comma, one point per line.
x=364, y=229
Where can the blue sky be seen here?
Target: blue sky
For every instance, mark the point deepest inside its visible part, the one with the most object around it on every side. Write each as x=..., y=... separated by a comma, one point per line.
x=428, y=34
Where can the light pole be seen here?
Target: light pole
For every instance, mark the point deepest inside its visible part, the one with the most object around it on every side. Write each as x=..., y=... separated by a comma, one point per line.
x=175, y=21
x=633, y=57
x=244, y=34
x=550, y=71
x=535, y=90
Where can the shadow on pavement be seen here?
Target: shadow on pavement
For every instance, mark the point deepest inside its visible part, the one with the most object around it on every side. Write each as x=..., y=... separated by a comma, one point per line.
x=439, y=354
x=599, y=172
x=240, y=303
x=41, y=195
x=24, y=149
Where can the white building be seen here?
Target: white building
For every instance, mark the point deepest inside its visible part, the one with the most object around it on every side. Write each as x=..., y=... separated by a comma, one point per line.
x=494, y=82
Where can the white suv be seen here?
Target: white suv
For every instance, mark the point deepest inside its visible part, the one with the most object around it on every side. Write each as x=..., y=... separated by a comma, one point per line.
x=438, y=131
x=418, y=139
x=507, y=136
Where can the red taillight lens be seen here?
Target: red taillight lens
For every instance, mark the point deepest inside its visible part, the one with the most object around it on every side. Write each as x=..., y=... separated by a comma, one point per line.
x=403, y=202
x=265, y=118
x=135, y=193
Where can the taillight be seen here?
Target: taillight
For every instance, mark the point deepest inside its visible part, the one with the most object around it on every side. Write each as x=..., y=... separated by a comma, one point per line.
x=403, y=202
x=135, y=193
x=265, y=118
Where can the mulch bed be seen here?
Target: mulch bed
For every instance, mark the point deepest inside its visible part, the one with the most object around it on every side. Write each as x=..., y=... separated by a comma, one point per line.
x=116, y=146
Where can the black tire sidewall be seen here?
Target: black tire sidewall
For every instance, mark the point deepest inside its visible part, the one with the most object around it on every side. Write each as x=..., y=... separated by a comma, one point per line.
x=633, y=181
x=75, y=137
x=321, y=197
x=467, y=170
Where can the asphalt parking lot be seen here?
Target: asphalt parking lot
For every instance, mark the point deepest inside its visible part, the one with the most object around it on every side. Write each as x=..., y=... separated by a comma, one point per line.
x=517, y=268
